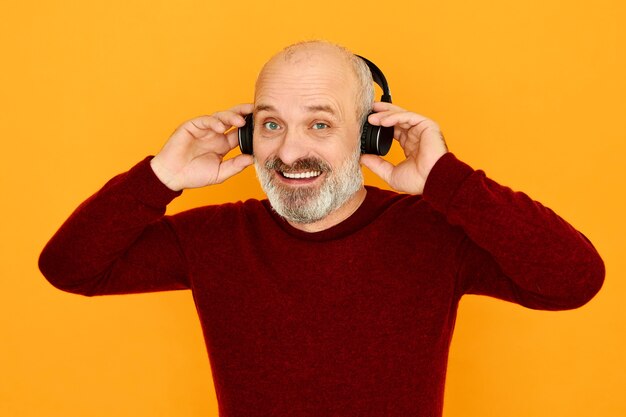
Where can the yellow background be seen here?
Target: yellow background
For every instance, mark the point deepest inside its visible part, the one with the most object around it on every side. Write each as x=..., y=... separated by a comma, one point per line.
x=531, y=91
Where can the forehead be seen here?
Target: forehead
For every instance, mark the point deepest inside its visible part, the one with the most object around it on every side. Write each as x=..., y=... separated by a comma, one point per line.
x=310, y=84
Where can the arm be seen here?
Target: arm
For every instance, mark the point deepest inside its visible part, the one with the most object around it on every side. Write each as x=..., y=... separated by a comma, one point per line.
x=118, y=241
x=516, y=249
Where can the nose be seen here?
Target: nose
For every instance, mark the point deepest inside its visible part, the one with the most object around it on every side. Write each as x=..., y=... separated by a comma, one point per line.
x=292, y=146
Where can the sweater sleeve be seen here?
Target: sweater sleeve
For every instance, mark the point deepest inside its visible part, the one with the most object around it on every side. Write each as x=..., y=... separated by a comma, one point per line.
x=118, y=241
x=515, y=248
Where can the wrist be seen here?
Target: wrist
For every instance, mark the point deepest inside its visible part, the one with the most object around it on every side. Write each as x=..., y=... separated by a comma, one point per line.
x=444, y=180
x=163, y=174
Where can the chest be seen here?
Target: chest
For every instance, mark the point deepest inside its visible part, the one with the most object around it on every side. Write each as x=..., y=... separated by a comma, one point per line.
x=362, y=288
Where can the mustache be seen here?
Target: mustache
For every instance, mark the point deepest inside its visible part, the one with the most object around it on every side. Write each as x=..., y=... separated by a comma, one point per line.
x=304, y=164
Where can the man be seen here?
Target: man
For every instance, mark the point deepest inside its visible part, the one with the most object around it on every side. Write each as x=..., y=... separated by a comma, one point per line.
x=331, y=298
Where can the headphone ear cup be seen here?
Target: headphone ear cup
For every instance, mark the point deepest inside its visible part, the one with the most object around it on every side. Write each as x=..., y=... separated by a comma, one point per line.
x=245, y=135
x=376, y=140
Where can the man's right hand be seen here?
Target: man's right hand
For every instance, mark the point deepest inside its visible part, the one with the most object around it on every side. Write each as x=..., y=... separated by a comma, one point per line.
x=193, y=156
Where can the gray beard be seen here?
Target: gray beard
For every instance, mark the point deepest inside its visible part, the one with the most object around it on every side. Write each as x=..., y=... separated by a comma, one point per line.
x=311, y=204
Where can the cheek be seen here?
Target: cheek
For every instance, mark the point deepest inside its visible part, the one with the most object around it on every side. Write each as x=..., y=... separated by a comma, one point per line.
x=262, y=149
x=349, y=147
x=335, y=160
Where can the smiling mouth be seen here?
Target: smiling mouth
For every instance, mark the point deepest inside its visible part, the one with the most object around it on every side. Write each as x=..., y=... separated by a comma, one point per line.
x=303, y=178
x=301, y=175
x=303, y=172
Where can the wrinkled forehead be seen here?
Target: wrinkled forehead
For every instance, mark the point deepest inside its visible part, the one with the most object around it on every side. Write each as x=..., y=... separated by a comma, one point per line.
x=307, y=82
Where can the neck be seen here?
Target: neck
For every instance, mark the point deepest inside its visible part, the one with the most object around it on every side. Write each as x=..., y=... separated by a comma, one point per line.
x=336, y=216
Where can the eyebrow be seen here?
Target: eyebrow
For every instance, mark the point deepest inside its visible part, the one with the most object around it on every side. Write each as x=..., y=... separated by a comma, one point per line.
x=325, y=108
x=264, y=107
x=322, y=108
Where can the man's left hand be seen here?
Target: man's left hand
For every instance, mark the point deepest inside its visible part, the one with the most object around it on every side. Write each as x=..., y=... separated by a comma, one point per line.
x=421, y=140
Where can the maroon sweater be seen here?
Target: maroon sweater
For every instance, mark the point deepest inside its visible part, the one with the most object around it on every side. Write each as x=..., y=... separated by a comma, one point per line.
x=355, y=320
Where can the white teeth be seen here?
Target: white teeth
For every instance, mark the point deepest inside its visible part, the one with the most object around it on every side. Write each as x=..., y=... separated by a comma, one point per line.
x=309, y=174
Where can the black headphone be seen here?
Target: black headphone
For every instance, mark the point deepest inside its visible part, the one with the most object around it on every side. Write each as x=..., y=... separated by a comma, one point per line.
x=374, y=139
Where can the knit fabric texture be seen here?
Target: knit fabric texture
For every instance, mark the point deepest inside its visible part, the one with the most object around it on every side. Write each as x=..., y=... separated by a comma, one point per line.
x=355, y=320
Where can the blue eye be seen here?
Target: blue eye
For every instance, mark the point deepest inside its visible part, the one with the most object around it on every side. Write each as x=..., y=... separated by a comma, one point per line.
x=320, y=125
x=271, y=125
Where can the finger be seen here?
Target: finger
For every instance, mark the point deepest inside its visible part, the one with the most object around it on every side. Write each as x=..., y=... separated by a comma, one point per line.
x=384, y=106
x=219, y=145
x=233, y=138
x=242, y=109
x=199, y=125
x=234, y=115
x=222, y=120
x=376, y=117
x=393, y=118
x=378, y=166
x=228, y=118
x=233, y=166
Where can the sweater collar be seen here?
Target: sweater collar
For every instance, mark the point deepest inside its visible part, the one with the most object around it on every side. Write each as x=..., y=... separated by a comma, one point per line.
x=370, y=208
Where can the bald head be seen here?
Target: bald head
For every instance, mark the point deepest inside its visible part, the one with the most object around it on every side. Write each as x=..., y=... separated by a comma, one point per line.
x=336, y=61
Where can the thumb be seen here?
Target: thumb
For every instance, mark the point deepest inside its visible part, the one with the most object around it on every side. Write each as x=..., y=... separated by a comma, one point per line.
x=378, y=166
x=233, y=166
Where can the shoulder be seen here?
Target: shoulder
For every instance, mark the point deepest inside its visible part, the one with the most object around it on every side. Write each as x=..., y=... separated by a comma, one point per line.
x=226, y=215
x=383, y=200
x=399, y=212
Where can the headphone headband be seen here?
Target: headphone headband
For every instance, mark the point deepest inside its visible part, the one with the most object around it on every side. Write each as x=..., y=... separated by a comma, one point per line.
x=379, y=78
